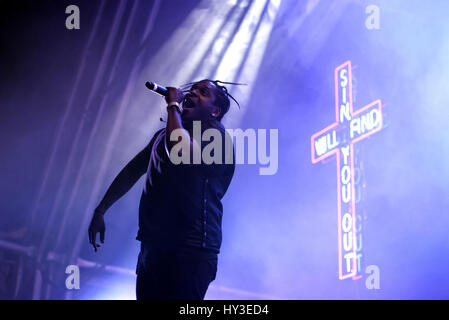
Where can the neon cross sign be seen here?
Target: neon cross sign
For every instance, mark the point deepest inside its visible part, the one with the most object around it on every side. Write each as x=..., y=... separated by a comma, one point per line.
x=339, y=139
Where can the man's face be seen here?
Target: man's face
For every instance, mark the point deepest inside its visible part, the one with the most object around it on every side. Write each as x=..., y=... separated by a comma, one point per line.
x=199, y=102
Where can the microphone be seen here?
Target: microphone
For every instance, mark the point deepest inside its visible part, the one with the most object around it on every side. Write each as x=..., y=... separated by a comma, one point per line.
x=156, y=88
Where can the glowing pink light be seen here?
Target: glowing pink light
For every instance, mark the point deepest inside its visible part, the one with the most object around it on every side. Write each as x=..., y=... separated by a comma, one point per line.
x=339, y=127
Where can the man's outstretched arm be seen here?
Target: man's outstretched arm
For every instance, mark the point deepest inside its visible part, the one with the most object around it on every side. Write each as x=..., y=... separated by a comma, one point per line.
x=127, y=177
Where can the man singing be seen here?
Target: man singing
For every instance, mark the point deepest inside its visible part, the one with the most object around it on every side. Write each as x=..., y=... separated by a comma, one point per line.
x=180, y=211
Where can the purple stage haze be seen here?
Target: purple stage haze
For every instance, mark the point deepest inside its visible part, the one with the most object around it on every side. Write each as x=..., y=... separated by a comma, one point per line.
x=74, y=110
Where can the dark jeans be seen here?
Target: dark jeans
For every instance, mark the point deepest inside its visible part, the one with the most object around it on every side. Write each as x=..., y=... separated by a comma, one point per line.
x=174, y=275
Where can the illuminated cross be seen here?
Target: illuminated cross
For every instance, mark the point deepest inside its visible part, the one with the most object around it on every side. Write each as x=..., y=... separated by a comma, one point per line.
x=339, y=139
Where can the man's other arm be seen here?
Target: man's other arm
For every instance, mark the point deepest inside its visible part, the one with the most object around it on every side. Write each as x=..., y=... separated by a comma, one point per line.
x=127, y=177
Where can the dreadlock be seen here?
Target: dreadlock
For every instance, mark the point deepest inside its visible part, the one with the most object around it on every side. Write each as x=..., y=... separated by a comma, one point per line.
x=222, y=95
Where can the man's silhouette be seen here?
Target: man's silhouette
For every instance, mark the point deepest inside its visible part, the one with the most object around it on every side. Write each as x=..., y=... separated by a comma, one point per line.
x=180, y=209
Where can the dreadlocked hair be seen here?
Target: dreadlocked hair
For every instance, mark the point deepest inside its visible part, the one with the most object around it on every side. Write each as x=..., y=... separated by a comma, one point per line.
x=222, y=95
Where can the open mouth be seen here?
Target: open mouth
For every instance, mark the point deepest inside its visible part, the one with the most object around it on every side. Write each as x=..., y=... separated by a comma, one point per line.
x=187, y=102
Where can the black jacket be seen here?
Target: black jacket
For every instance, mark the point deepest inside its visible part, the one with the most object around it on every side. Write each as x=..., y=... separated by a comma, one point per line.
x=180, y=206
